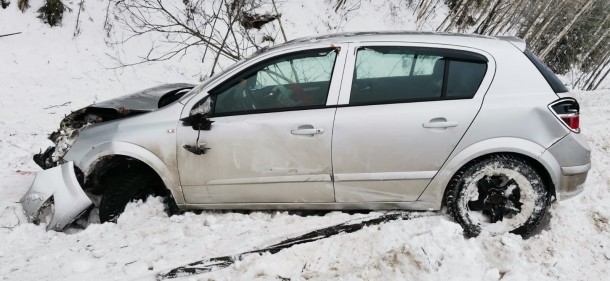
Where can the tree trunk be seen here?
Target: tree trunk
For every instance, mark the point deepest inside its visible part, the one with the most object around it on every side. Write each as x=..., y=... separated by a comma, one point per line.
x=510, y=18
x=601, y=39
x=452, y=17
x=565, y=30
x=480, y=18
x=593, y=73
x=279, y=20
x=530, y=17
x=597, y=43
x=547, y=21
x=602, y=79
x=205, y=52
x=590, y=82
x=421, y=13
x=488, y=18
x=429, y=13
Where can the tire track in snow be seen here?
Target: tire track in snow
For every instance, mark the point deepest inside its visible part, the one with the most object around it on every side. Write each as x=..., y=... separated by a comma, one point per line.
x=218, y=263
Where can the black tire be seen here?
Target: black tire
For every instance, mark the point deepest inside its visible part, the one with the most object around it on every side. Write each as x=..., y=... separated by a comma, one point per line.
x=125, y=184
x=497, y=194
x=171, y=208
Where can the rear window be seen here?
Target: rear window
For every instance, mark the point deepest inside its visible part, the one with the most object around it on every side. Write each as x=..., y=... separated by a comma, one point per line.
x=388, y=74
x=551, y=78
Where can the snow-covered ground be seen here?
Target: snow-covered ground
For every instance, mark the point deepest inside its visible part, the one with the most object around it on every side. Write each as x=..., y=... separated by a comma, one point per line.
x=45, y=73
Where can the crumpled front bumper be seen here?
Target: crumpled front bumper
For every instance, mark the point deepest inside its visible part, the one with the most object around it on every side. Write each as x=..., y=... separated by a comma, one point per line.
x=60, y=185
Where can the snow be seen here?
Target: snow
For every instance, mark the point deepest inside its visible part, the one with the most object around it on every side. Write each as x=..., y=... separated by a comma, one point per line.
x=44, y=68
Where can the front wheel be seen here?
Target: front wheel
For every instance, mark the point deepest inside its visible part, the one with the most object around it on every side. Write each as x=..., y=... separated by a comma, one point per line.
x=126, y=184
x=497, y=194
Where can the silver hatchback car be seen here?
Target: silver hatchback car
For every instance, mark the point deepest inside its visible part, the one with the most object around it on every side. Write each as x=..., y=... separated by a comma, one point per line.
x=416, y=121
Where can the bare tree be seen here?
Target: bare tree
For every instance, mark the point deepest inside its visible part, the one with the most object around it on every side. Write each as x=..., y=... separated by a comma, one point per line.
x=606, y=66
x=220, y=27
x=565, y=29
x=77, y=27
x=425, y=10
x=569, y=35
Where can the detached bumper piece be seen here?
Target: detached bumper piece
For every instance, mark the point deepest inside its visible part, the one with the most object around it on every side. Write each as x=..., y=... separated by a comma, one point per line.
x=57, y=186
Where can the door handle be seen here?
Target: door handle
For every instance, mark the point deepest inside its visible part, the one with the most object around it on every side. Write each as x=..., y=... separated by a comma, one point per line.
x=309, y=131
x=445, y=124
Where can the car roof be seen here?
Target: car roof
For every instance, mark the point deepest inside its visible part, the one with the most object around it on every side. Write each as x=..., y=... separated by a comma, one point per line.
x=473, y=40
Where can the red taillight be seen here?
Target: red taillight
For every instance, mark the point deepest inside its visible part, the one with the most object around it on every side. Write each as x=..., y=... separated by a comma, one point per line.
x=568, y=111
x=572, y=120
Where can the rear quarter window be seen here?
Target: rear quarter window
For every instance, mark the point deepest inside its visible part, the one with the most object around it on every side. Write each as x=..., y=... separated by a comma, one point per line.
x=551, y=78
x=464, y=78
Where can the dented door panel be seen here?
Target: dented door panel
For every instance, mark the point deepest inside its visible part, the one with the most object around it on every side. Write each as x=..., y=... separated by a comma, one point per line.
x=256, y=158
x=276, y=157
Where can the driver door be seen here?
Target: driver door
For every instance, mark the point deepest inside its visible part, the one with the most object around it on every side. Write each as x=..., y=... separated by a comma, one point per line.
x=271, y=137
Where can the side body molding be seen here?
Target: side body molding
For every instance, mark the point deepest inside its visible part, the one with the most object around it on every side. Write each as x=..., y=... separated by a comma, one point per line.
x=168, y=174
x=435, y=191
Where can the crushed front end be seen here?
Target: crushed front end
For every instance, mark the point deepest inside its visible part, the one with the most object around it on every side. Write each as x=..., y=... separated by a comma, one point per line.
x=56, y=195
x=64, y=137
x=137, y=103
x=57, y=188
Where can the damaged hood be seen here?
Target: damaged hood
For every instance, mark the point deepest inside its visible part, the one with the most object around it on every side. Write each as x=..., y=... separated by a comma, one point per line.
x=137, y=103
x=147, y=100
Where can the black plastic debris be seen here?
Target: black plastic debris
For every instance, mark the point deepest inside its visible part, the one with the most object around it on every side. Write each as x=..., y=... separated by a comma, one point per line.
x=249, y=21
x=44, y=160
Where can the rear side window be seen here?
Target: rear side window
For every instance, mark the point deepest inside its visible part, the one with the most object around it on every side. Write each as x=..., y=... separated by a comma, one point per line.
x=551, y=78
x=402, y=74
x=464, y=78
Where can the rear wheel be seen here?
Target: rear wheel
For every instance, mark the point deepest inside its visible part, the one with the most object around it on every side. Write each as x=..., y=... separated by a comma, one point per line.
x=497, y=194
x=125, y=184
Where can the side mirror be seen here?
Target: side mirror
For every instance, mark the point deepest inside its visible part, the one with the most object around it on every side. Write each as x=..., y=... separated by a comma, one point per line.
x=199, y=121
x=199, y=115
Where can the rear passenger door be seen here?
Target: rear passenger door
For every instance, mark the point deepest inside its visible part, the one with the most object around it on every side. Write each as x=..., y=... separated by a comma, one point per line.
x=402, y=110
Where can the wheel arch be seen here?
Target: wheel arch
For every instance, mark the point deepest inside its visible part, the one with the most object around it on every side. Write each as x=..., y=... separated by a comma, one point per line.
x=104, y=152
x=530, y=151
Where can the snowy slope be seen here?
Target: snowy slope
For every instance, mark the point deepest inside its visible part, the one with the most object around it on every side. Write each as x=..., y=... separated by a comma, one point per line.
x=45, y=73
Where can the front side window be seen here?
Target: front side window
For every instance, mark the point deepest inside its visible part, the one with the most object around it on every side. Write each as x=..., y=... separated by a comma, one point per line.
x=294, y=81
x=402, y=74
